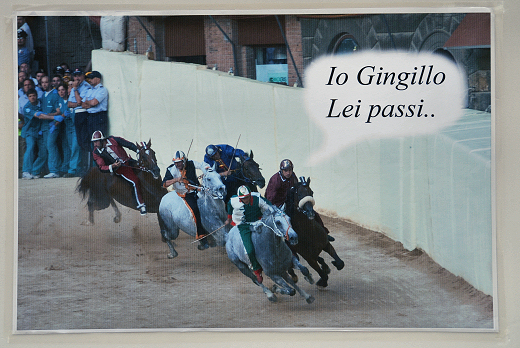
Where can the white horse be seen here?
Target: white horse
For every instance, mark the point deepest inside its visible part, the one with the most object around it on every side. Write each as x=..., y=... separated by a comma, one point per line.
x=175, y=215
x=273, y=254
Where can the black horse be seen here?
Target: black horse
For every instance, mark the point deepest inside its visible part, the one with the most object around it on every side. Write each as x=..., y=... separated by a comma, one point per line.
x=312, y=237
x=104, y=189
x=247, y=172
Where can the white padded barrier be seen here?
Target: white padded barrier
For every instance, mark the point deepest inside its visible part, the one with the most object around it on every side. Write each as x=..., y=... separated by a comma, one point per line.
x=429, y=192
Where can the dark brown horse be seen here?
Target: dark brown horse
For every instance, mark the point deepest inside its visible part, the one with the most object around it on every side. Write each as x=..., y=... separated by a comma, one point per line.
x=312, y=237
x=103, y=189
x=246, y=173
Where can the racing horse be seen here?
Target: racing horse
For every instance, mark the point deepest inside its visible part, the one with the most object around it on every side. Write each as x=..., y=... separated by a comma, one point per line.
x=312, y=236
x=273, y=254
x=175, y=215
x=246, y=173
x=104, y=189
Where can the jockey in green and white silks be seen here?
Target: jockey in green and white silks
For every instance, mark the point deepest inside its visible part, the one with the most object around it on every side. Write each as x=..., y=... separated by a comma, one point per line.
x=243, y=208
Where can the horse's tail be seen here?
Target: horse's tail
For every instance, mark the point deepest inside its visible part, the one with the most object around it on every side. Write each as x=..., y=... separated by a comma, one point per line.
x=92, y=187
x=83, y=187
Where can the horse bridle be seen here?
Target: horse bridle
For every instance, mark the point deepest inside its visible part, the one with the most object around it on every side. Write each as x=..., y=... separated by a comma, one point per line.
x=242, y=177
x=305, y=199
x=277, y=232
x=203, y=187
x=141, y=166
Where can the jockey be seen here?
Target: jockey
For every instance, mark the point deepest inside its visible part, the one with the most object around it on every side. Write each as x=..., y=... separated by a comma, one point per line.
x=280, y=183
x=224, y=158
x=243, y=208
x=181, y=174
x=110, y=157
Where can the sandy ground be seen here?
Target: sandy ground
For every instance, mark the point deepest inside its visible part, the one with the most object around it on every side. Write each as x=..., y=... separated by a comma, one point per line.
x=118, y=276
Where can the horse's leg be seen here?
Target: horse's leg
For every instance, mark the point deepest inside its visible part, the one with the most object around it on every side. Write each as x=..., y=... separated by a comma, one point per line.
x=173, y=253
x=322, y=273
x=211, y=241
x=90, y=219
x=306, y=296
x=325, y=268
x=305, y=271
x=281, y=286
x=90, y=213
x=117, y=218
x=338, y=263
x=293, y=275
x=167, y=238
x=247, y=272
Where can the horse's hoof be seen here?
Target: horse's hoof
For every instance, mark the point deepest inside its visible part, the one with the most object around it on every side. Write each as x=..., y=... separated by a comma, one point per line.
x=211, y=241
x=322, y=283
x=87, y=223
x=339, y=264
x=294, y=279
x=309, y=279
x=117, y=219
x=202, y=246
x=272, y=298
x=173, y=255
x=310, y=299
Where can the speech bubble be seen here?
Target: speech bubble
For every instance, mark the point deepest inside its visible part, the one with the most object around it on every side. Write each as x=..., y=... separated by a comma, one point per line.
x=378, y=95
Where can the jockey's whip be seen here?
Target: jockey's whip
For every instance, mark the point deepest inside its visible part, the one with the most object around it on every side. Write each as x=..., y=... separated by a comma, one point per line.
x=234, y=150
x=189, y=148
x=209, y=234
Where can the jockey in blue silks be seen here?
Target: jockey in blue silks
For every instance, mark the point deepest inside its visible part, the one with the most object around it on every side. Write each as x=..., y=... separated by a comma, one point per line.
x=224, y=158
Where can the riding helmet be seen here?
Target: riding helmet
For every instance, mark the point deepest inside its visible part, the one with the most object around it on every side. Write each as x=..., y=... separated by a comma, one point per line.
x=179, y=157
x=211, y=150
x=97, y=135
x=243, y=191
x=286, y=164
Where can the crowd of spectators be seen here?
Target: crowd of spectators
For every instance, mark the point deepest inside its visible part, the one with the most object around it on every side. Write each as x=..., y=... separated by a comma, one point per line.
x=57, y=114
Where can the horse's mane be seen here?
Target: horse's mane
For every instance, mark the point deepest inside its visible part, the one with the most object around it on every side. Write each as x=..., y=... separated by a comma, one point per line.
x=290, y=204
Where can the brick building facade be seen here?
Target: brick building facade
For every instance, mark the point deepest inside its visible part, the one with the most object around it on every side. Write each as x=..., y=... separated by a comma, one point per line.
x=268, y=47
x=228, y=43
x=235, y=43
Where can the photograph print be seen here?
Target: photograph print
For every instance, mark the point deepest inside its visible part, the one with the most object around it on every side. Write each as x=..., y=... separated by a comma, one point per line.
x=255, y=172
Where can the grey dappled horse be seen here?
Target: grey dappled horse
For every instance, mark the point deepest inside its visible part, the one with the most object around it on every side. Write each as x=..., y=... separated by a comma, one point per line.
x=273, y=254
x=174, y=214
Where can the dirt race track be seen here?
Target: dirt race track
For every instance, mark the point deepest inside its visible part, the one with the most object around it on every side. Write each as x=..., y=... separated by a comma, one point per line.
x=117, y=276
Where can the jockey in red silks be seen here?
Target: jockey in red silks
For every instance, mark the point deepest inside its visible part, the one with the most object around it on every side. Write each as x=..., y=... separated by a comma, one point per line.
x=112, y=158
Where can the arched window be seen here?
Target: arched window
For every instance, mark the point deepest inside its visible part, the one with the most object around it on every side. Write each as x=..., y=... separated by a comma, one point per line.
x=346, y=44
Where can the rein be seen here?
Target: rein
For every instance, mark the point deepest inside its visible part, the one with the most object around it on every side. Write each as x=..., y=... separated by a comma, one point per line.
x=241, y=175
x=203, y=187
x=141, y=167
x=277, y=232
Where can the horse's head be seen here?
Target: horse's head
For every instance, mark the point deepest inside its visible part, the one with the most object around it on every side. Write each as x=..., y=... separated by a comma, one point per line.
x=146, y=159
x=302, y=197
x=281, y=225
x=212, y=182
x=251, y=170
